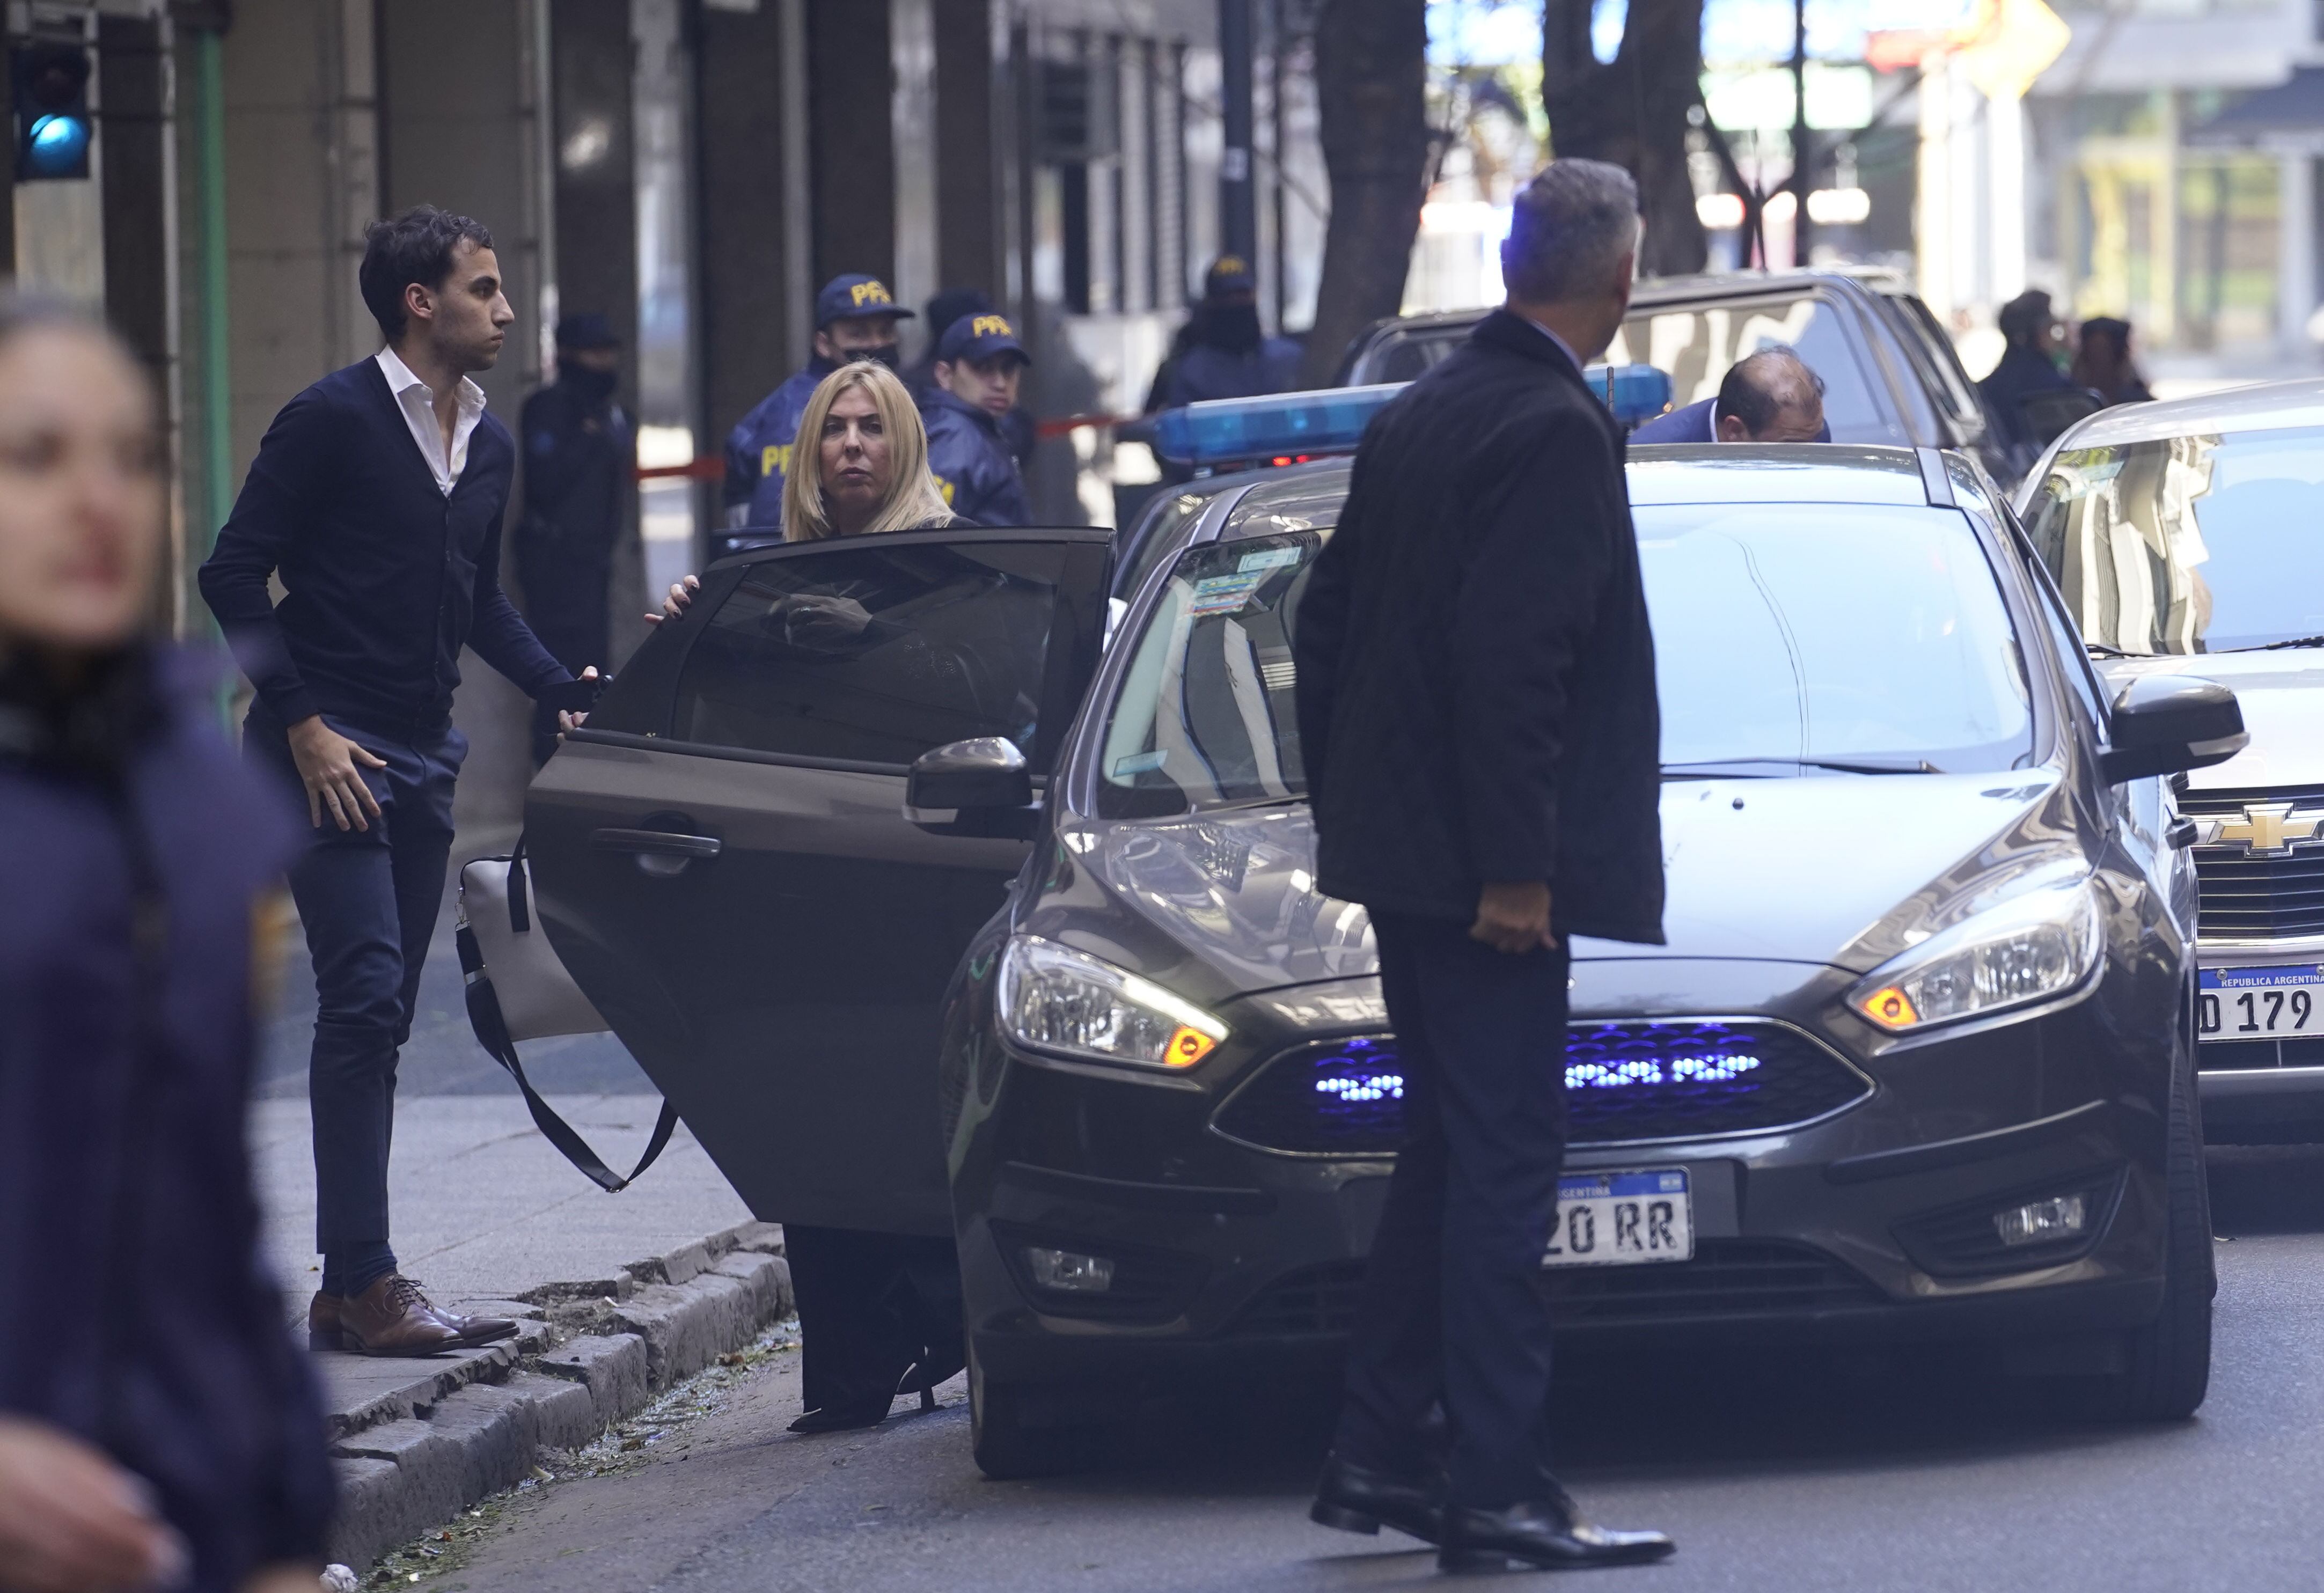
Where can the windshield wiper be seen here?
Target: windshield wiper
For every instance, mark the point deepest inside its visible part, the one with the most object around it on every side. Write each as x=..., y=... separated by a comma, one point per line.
x=2108, y=650
x=2269, y=647
x=1843, y=766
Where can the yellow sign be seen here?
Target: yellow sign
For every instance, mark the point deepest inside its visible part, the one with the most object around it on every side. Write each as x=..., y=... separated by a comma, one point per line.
x=864, y=293
x=2016, y=42
x=992, y=326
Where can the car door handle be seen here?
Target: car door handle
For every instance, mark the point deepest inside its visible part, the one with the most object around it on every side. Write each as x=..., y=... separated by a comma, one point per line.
x=658, y=843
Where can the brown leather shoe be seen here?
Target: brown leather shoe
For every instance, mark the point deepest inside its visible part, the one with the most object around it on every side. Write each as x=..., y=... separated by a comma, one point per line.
x=392, y=1317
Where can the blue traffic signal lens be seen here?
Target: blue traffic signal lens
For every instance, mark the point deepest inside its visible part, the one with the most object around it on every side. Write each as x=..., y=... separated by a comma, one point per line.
x=56, y=146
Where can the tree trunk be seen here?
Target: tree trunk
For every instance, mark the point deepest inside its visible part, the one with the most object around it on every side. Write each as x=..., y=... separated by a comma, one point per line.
x=1632, y=111
x=1370, y=81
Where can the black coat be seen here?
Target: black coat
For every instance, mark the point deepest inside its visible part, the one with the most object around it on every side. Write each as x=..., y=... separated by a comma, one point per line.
x=578, y=455
x=1476, y=675
x=134, y=846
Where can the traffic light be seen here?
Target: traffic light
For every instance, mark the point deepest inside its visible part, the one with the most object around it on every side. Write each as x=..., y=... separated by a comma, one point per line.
x=53, y=127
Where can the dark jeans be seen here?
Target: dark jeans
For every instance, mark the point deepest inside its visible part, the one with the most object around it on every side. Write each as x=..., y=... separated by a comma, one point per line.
x=1454, y=1307
x=368, y=899
x=567, y=603
x=871, y=1306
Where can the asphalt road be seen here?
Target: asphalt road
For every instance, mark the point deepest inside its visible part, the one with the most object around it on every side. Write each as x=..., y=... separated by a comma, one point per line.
x=1776, y=1473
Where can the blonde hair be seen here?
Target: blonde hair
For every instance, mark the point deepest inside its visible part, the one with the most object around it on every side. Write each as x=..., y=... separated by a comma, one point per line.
x=914, y=499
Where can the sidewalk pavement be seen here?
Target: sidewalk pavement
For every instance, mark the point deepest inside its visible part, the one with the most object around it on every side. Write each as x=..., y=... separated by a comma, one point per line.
x=617, y=1296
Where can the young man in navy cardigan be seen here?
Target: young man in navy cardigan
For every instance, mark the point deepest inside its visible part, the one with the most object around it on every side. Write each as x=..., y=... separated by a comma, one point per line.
x=376, y=498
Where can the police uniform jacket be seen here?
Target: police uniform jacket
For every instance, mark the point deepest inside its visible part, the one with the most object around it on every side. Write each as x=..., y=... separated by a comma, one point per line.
x=135, y=845
x=758, y=448
x=1476, y=674
x=1206, y=371
x=969, y=457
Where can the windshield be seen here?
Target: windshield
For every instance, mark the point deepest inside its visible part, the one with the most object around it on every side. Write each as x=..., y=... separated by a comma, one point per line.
x=1786, y=637
x=2194, y=544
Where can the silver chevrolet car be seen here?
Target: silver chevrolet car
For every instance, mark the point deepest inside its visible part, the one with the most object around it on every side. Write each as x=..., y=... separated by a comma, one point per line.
x=2188, y=537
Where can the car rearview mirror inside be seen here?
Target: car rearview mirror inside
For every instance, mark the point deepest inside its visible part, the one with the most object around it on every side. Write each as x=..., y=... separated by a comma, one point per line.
x=2163, y=724
x=979, y=787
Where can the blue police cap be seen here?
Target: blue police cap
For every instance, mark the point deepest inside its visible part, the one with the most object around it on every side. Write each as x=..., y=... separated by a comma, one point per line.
x=587, y=330
x=975, y=338
x=855, y=294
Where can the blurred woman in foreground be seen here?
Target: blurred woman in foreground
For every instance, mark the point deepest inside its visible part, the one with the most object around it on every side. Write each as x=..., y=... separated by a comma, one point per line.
x=157, y=1429
x=879, y=1314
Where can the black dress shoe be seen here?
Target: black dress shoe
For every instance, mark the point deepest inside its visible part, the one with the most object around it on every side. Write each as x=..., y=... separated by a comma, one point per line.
x=1550, y=1534
x=1354, y=1499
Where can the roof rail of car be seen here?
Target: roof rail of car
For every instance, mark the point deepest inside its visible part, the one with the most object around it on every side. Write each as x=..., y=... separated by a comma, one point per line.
x=1935, y=481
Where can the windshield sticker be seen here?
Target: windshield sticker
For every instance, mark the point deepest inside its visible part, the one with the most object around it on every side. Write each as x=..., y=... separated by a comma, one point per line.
x=1269, y=558
x=1223, y=595
x=1138, y=763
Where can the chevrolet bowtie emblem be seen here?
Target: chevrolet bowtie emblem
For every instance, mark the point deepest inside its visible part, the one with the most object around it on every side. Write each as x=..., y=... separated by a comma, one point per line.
x=2267, y=827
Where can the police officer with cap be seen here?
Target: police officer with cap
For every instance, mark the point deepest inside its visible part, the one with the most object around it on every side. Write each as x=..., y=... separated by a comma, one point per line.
x=1226, y=356
x=855, y=319
x=580, y=448
x=978, y=365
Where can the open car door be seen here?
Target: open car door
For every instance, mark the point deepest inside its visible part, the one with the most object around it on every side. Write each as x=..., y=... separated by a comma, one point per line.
x=722, y=858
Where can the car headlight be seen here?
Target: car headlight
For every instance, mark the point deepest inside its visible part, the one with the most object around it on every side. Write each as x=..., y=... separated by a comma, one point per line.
x=1055, y=998
x=2031, y=946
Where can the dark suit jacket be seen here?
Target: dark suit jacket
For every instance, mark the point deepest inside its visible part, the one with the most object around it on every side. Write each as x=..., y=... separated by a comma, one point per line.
x=384, y=577
x=1692, y=425
x=1476, y=675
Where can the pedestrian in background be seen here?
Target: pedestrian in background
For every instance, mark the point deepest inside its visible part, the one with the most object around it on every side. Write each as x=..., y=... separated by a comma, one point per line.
x=2103, y=365
x=978, y=366
x=1226, y=354
x=377, y=497
x=1770, y=395
x=855, y=319
x=1476, y=701
x=157, y=1428
x=2030, y=366
x=580, y=460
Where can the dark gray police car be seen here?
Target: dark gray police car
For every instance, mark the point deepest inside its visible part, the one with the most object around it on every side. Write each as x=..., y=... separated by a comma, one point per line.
x=935, y=913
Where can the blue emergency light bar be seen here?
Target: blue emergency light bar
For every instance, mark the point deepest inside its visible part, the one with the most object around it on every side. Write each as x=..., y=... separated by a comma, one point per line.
x=1293, y=428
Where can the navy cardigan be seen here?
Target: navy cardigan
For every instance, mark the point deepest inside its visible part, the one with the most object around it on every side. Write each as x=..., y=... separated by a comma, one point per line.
x=384, y=577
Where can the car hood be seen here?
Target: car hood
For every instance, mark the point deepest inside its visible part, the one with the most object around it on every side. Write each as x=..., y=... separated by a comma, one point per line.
x=1844, y=871
x=2283, y=698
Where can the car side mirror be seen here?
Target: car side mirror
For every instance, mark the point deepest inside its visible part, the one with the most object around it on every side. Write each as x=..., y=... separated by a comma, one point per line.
x=2163, y=724
x=979, y=787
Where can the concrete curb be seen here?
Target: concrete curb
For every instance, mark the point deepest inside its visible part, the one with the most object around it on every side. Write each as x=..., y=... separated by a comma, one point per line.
x=411, y=1452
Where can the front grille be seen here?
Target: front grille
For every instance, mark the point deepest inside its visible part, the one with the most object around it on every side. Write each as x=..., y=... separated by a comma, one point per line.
x=2237, y=1056
x=1726, y=1278
x=1624, y=1082
x=2271, y=896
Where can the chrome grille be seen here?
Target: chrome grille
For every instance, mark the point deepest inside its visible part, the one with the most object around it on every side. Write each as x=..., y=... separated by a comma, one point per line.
x=2271, y=896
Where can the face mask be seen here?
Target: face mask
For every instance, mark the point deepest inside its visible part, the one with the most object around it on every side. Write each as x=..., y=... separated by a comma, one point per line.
x=1231, y=326
x=890, y=354
x=594, y=386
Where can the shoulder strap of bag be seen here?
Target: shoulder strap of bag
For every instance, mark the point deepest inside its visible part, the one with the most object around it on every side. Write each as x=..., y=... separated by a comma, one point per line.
x=492, y=1032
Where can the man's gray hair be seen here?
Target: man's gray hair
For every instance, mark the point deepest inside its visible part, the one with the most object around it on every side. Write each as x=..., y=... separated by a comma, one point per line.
x=1572, y=226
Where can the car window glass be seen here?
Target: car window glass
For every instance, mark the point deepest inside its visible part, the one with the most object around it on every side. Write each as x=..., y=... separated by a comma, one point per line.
x=1781, y=632
x=876, y=653
x=2073, y=657
x=1932, y=353
x=2203, y=543
x=1696, y=345
x=1830, y=631
x=1156, y=538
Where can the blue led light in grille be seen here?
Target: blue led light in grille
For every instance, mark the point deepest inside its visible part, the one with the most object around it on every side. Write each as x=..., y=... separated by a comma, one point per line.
x=1645, y=1079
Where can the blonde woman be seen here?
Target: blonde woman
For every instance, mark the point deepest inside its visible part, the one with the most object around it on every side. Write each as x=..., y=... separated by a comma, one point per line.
x=879, y=1312
x=866, y=471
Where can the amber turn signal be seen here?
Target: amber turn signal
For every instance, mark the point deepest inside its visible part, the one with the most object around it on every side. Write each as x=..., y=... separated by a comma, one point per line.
x=1889, y=1007
x=1188, y=1046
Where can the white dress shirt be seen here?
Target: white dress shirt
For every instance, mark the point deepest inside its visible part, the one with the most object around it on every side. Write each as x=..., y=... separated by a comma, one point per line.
x=417, y=403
